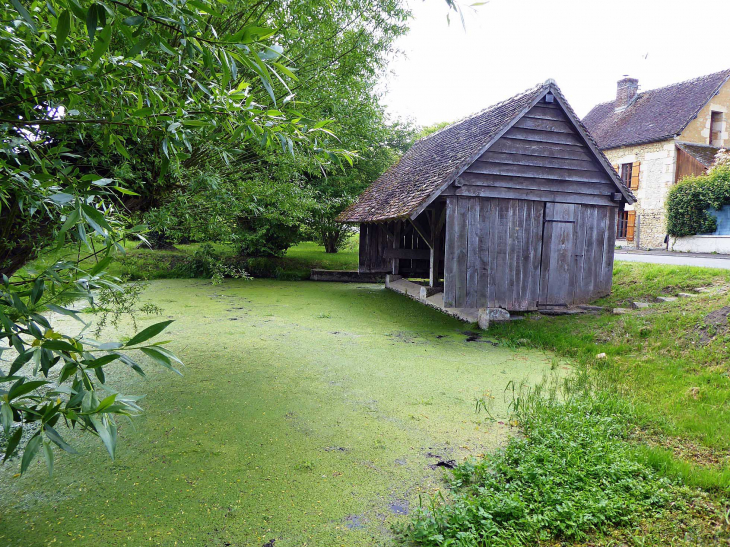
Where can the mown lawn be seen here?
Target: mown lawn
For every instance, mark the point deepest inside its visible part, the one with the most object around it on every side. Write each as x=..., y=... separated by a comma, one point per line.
x=308, y=414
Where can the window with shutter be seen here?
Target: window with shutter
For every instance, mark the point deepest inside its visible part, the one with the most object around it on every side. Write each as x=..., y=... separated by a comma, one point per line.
x=716, y=120
x=630, y=225
x=626, y=174
x=635, y=175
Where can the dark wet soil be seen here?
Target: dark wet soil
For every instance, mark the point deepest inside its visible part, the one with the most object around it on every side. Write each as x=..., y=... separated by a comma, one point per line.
x=715, y=323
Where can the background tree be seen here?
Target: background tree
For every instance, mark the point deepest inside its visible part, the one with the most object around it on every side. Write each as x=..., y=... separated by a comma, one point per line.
x=340, y=50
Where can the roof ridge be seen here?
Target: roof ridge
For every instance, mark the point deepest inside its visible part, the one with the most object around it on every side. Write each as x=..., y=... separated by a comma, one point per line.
x=684, y=82
x=468, y=117
x=680, y=143
x=689, y=81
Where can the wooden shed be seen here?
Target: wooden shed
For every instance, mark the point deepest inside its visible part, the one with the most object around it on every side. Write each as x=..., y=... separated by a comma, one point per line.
x=514, y=207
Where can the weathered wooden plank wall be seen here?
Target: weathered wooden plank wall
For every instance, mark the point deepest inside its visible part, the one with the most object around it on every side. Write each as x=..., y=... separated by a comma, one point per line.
x=383, y=243
x=373, y=244
x=541, y=158
x=687, y=166
x=492, y=253
x=522, y=254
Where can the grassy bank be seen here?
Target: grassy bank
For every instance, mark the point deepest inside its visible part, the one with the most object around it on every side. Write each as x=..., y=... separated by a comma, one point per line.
x=571, y=477
x=672, y=360
x=186, y=261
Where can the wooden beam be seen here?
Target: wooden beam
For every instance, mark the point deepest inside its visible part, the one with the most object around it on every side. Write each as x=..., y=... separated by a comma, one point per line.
x=395, y=264
x=422, y=232
x=539, y=161
x=545, y=125
x=543, y=136
x=530, y=183
x=532, y=195
x=407, y=254
x=493, y=168
x=543, y=149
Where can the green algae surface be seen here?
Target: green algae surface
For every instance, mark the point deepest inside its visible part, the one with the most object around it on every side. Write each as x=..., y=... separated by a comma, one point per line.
x=308, y=414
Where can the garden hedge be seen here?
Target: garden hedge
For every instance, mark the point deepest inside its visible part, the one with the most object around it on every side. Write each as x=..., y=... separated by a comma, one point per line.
x=690, y=201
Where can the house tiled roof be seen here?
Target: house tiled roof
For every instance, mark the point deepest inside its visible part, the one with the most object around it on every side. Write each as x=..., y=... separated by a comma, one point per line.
x=439, y=158
x=701, y=152
x=653, y=115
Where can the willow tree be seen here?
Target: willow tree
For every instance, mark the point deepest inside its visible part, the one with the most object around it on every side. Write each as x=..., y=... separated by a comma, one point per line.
x=83, y=83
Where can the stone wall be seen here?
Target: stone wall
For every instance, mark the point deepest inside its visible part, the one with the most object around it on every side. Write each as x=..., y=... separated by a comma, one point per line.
x=656, y=177
x=701, y=244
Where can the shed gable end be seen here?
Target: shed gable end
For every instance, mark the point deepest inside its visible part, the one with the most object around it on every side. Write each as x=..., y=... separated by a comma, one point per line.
x=541, y=157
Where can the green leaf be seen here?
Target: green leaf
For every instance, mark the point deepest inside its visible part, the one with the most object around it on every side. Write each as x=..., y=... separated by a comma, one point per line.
x=55, y=437
x=91, y=20
x=149, y=332
x=37, y=292
x=96, y=219
x=19, y=389
x=142, y=112
x=124, y=191
x=13, y=442
x=134, y=20
x=48, y=454
x=64, y=311
x=285, y=70
x=120, y=148
x=101, y=361
x=160, y=358
x=139, y=47
x=108, y=433
x=6, y=417
x=107, y=402
x=71, y=219
x=20, y=360
x=102, y=44
x=31, y=449
x=59, y=345
x=24, y=14
x=62, y=28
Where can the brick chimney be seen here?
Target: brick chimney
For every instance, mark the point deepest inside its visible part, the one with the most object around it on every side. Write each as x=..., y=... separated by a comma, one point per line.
x=626, y=90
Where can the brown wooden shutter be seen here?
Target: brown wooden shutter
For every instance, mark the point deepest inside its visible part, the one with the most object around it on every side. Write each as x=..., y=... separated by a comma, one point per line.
x=630, y=224
x=635, y=175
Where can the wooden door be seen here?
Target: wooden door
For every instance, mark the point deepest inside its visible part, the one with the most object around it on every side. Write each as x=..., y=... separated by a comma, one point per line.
x=558, y=262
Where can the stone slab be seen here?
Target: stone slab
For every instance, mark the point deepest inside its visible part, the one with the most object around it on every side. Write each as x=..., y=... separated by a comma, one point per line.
x=639, y=305
x=346, y=276
x=413, y=290
x=621, y=311
x=686, y=295
x=666, y=298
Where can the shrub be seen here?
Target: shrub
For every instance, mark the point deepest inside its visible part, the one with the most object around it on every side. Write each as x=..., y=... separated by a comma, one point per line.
x=207, y=263
x=570, y=474
x=689, y=202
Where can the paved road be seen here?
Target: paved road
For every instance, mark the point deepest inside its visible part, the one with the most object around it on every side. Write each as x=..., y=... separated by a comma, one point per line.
x=679, y=259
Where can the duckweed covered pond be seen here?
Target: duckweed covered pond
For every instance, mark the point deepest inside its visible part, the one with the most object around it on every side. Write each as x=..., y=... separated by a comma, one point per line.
x=308, y=414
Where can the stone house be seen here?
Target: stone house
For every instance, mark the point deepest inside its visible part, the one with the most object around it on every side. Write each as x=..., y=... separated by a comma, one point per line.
x=654, y=139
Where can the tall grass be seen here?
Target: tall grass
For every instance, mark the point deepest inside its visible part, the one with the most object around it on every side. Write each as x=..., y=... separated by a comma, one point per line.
x=569, y=474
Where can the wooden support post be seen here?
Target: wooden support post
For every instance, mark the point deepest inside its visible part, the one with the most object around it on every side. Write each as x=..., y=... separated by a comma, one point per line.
x=395, y=266
x=438, y=217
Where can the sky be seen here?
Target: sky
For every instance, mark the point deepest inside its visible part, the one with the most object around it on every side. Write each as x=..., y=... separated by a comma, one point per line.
x=446, y=72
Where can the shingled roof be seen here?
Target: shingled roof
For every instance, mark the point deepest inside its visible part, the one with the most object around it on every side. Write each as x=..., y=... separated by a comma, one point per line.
x=433, y=162
x=654, y=115
x=703, y=153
